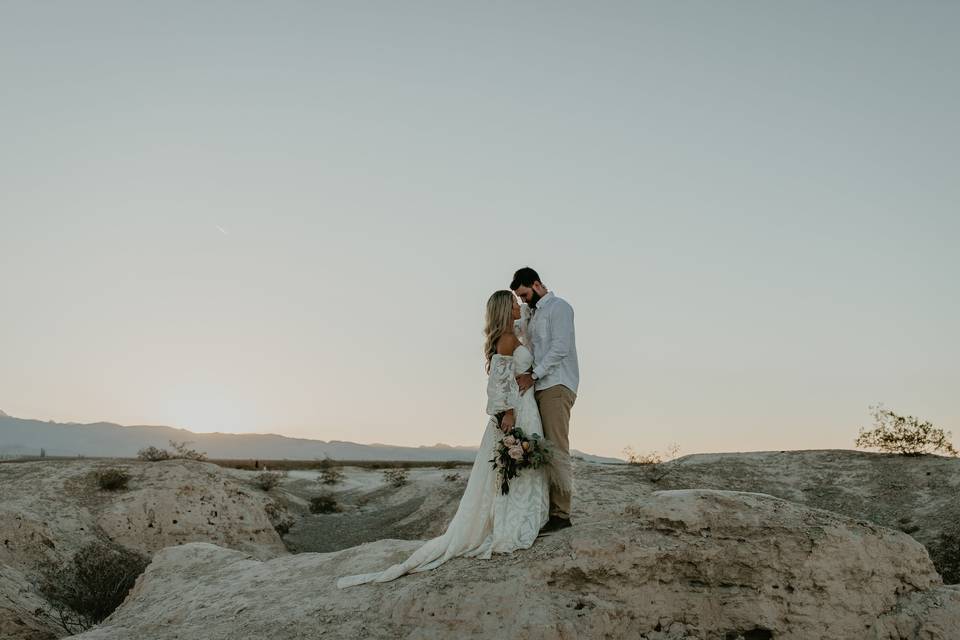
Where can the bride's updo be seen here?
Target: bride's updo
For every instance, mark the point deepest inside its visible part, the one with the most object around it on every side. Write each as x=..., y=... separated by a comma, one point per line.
x=499, y=321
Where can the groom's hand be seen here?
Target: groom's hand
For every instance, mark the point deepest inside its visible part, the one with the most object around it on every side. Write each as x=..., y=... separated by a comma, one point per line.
x=524, y=381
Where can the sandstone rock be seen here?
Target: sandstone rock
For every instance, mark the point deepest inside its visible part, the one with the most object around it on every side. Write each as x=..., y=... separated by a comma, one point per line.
x=19, y=604
x=918, y=495
x=51, y=509
x=675, y=564
x=178, y=501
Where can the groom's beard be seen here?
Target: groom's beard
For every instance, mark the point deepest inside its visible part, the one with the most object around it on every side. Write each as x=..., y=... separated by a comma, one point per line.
x=534, y=299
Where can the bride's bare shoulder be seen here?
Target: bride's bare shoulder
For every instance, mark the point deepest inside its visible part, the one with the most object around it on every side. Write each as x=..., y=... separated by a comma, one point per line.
x=507, y=344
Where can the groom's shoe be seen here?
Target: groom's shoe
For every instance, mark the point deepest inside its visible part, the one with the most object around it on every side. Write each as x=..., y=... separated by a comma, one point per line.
x=555, y=523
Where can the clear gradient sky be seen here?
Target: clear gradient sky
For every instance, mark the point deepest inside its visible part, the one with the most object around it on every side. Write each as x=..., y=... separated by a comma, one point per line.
x=286, y=217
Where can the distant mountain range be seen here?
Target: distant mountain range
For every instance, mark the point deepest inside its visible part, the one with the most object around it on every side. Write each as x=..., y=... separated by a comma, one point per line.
x=23, y=437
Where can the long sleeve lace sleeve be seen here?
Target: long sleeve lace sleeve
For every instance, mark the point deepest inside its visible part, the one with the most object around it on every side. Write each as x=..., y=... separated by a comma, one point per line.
x=503, y=393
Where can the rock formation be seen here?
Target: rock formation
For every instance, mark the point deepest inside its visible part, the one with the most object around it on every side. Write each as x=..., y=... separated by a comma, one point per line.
x=50, y=509
x=675, y=565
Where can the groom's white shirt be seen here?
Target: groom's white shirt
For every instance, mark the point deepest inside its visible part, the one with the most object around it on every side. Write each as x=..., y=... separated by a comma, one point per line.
x=554, y=344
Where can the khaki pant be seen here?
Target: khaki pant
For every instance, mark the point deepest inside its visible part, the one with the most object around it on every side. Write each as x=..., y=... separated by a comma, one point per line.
x=555, y=404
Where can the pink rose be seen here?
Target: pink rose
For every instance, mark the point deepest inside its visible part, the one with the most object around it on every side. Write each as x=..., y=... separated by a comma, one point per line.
x=516, y=452
x=509, y=441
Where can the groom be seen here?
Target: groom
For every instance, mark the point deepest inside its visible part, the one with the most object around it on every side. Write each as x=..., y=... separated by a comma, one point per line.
x=555, y=376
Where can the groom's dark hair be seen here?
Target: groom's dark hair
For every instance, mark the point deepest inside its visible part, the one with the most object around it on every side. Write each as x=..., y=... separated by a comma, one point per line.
x=524, y=277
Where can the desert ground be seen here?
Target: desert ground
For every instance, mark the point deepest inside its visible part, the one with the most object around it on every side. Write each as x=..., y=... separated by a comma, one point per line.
x=796, y=544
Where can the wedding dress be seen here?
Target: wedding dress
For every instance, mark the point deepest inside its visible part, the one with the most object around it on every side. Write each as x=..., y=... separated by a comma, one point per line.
x=487, y=522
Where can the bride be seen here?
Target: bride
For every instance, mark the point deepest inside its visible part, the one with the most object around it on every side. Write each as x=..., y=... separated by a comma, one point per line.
x=487, y=522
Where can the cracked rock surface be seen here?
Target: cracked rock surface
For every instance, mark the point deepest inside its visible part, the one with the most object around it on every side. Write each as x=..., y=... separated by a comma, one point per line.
x=679, y=564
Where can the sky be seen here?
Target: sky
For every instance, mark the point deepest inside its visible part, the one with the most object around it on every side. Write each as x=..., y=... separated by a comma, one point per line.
x=287, y=217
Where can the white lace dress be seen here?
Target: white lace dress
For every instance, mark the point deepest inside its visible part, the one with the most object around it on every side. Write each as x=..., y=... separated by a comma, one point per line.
x=487, y=522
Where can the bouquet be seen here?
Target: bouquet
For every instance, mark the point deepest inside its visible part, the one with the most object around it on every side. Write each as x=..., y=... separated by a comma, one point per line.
x=515, y=452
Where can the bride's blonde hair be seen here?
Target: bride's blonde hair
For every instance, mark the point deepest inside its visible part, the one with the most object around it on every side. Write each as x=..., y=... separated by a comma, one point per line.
x=499, y=321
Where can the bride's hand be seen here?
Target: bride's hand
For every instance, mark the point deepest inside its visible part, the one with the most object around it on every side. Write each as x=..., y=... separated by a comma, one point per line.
x=508, y=421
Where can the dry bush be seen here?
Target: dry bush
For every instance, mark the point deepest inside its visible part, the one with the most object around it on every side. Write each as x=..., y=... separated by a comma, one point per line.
x=945, y=554
x=153, y=454
x=905, y=435
x=330, y=475
x=396, y=477
x=449, y=464
x=653, y=462
x=324, y=503
x=279, y=517
x=180, y=452
x=268, y=479
x=451, y=477
x=641, y=458
x=653, y=457
x=112, y=479
x=84, y=591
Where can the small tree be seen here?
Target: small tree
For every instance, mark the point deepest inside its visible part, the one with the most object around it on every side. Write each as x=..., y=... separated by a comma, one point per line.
x=905, y=435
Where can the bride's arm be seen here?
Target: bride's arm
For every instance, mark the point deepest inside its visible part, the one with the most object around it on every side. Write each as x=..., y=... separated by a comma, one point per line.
x=503, y=395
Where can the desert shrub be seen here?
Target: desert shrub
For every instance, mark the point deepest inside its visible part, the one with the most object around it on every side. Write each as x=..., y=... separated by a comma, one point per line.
x=180, y=452
x=330, y=475
x=84, y=591
x=654, y=457
x=945, y=553
x=267, y=480
x=653, y=463
x=324, y=503
x=633, y=457
x=153, y=454
x=451, y=477
x=449, y=464
x=279, y=517
x=905, y=435
x=112, y=479
x=396, y=477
